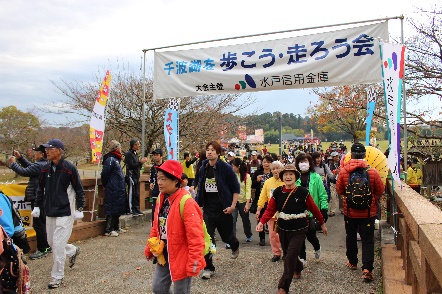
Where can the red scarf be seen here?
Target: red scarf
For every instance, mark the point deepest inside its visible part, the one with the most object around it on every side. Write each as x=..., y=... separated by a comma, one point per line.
x=117, y=154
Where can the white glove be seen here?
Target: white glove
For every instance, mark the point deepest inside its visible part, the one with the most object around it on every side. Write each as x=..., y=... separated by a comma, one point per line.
x=36, y=212
x=78, y=214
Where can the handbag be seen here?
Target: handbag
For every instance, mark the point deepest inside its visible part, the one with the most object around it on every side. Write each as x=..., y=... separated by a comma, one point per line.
x=275, y=224
x=314, y=224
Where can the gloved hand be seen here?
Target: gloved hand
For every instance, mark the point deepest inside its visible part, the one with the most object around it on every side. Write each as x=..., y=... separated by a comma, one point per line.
x=78, y=214
x=324, y=215
x=36, y=212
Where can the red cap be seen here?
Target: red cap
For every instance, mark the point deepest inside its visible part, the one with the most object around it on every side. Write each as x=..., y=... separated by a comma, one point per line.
x=172, y=167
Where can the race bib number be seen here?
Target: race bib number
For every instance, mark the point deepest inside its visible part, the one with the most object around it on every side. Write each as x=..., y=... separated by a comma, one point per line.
x=253, y=169
x=163, y=228
x=210, y=186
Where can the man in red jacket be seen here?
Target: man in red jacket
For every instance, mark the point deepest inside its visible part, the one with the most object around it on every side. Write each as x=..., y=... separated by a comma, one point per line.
x=360, y=220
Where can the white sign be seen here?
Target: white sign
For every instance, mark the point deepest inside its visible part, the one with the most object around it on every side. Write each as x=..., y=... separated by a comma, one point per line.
x=337, y=58
x=392, y=56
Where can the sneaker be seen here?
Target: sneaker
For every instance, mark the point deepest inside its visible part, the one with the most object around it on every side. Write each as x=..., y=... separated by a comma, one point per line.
x=207, y=274
x=351, y=266
x=113, y=234
x=73, y=258
x=137, y=213
x=55, y=283
x=122, y=230
x=303, y=261
x=318, y=253
x=249, y=239
x=235, y=254
x=227, y=246
x=107, y=234
x=367, y=275
x=276, y=258
x=39, y=254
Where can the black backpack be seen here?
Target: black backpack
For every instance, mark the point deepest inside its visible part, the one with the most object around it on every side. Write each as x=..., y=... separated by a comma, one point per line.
x=358, y=190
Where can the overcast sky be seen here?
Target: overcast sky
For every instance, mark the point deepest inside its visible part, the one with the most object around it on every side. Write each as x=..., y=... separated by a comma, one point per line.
x=48, y=40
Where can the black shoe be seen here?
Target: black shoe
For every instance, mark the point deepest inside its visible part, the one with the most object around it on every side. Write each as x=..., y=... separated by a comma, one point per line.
x=275, y=258
x=262, y=242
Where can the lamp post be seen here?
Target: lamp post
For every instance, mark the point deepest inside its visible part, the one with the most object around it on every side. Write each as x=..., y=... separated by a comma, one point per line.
x=280, y=133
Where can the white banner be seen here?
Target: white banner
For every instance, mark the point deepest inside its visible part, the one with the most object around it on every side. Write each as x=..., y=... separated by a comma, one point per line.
x=392, y=57
x=337, y=58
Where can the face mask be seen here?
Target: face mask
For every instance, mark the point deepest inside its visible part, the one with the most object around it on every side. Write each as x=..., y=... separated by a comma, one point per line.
x=304, y=166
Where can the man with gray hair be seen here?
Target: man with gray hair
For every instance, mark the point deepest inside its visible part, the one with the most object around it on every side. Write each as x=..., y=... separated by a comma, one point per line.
x=60, y=192
x=356, y=178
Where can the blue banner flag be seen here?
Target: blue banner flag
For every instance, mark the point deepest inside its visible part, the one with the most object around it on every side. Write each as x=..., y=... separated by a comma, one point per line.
x=171, y=128
x=371, y=104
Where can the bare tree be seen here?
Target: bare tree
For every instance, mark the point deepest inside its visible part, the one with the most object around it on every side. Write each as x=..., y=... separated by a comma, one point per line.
x=200, y=117
x=424, y=71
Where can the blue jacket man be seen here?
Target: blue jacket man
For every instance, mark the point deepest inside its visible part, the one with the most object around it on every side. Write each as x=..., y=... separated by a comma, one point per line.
x=218, y=192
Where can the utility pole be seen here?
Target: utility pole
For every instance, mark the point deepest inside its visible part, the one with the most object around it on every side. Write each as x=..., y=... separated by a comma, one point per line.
x=280, y=133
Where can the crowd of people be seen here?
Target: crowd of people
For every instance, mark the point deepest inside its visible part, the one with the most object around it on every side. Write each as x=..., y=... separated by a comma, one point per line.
x=294, y=200
x=291, y=199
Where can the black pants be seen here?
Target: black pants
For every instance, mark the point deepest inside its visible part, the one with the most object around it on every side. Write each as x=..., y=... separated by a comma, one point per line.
x=154, y=205
x=224, y=223
x=313, y=239
x=39, y=224
x=291, y=243
x=365, y=227
x=134, y=195
x=112, y=223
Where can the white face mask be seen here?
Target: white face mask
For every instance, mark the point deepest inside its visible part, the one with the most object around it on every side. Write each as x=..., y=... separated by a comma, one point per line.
x=304, y=166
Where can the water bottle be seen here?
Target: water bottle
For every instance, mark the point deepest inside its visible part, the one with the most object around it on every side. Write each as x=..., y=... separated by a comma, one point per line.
x=212, y=248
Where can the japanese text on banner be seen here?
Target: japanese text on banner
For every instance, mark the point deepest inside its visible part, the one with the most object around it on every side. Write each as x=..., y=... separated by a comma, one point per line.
x=392, y=56
x=96, y=129
x=171, y=128
x=336, y=58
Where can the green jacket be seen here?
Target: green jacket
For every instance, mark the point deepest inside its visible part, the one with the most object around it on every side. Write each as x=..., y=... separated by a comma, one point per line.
x=317, y=190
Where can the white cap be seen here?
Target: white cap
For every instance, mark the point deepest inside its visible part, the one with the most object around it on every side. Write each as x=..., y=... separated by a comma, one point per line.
x=230, y=153
x=254, y=153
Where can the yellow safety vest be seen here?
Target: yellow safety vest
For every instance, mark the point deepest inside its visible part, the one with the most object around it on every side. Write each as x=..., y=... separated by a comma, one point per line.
x=189, y=171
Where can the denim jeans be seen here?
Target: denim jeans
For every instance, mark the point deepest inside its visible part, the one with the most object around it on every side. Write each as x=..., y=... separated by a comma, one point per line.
x=162, y=281
x=247, y=226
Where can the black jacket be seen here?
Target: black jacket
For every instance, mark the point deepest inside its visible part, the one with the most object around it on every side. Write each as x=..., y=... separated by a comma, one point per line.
x=226, y=182
x=133, y=164
x=53, y=186
x=153, y=179
x=31, y=170
x=115, y=189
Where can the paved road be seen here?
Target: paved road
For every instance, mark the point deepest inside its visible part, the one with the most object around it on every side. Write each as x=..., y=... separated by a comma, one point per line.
x=117, y=265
